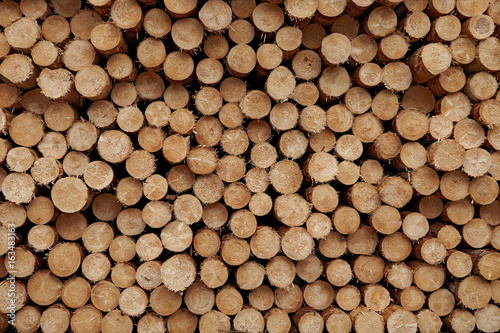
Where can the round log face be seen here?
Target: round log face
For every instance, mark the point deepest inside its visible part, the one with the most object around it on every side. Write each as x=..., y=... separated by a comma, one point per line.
x=248, y=165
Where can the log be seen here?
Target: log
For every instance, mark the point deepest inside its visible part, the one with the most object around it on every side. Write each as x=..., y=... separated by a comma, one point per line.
x=250, y=275
x=261, y=298
x=348, y=297
x=148, y=275
x=428, y=321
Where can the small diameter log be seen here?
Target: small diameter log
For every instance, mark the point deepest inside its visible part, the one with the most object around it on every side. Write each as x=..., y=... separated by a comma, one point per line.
x=46, y=170
x=187, y=34
x=371, y=197
x=165, y=302
x=367, y=127
x=486, y=58
x=364, y=319
x=39, y=211
x=312, y=35
x=440, y=127
x=450, y=81
x=215, y=46
x=415, y=225
x=336, y=319
x=425, y=180
x=424, y=63
x=459, y=264
x=20, y=159
x=214, y=321
x=399, y=275
x=473, y=292
x=27, y=319
x=327, y=13
x=460, y=319
x=16, y=214
x=133, y=301
x=56, y=29
x=241, y=32
x=396, y=76
x=43, y=288
x=455, y=106
x=55, y=318
x=64, y=259
x=277, y=321
x=332, y=55
x=178, y=265
x=70, y=195
x=46, y=54
x=431, y=250
x=288, y=299
x=75, y=163
x=53, y=145
x=368, y=75
x=381, y=22
x=280, y=84
x=18, y=187
x=261, y=298
x=250, y=275
x=82, y=23
x=411, y=298
x=127, y=15
x=149, y=246
x=215, y=15
x=427, y=277
x=181, y=9
x=356, y=8
x=478, y=86
x=199, y=299
x=375, y=297
x=396, y=317
x=355, y=242
x=79, y=54
x=151, y=321
x=122, y=276
x=148, y=275
x=444, y=29
x=431, y=206
x=157, y=23
x=280, y=271
x=213, y=272
x=411, y=124
x=392, y=48
x=116, y=320
x=71, y=226
x=309, y=320
x=428, y=321
x=288, y=40
x=439, y=155
x=76, y=292
x=23, y=33
x=338, y=272
x=484, y=319
x=327, y=89
x=122, y=249
x=229, y=300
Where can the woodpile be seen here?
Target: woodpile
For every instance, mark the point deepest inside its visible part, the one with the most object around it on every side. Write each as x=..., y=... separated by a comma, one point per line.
x=250, y=166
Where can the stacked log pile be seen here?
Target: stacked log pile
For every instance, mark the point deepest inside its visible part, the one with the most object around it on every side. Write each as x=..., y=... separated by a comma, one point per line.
x=249, y=166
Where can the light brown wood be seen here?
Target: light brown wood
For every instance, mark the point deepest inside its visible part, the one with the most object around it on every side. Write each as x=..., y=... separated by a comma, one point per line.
x=428, y=321
x=160, y=305
x=234, y=251
x=250, y=275
x=149, y=246
x=424, y=65
x=181, y=264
